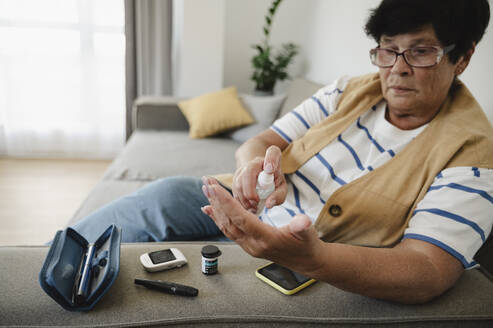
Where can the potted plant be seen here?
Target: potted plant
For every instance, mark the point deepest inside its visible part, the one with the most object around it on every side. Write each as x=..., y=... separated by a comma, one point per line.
x=270, y=67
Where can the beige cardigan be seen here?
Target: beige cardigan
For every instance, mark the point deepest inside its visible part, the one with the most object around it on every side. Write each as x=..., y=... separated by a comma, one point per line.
x=374, y=210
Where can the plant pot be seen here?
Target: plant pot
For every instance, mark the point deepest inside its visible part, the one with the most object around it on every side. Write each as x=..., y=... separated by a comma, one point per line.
x=263, y=93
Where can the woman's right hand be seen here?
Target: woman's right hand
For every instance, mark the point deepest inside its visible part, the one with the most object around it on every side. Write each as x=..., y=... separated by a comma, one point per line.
x=245, y=180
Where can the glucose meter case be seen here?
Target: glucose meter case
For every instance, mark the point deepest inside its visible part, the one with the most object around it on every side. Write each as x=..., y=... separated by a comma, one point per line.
x=76, y=274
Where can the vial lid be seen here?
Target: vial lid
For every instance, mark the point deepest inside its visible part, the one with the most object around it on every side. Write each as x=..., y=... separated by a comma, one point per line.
x=210, y=251
x=265, y=179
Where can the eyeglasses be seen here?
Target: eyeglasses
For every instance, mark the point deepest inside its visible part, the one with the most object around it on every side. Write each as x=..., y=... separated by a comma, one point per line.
x=414, y=57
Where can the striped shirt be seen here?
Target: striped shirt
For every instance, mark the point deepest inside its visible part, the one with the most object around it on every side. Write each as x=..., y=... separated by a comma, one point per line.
x=455, y=214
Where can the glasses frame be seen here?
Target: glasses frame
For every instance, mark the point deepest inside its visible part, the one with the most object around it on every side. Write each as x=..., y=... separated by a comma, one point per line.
x=441, y=52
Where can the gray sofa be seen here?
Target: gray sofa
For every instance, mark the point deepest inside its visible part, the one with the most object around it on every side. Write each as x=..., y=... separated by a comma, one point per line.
x=160, y=147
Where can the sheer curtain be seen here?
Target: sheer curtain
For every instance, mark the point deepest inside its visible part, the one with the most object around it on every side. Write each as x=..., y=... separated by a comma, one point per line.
x=62, y=78
x=148, y=30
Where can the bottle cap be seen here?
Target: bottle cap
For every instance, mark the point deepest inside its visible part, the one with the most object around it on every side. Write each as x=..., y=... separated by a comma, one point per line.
x=265, y=179
x=210, y=251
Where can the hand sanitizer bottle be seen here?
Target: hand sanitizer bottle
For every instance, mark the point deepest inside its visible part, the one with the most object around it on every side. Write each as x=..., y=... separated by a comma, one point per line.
x=265, y=187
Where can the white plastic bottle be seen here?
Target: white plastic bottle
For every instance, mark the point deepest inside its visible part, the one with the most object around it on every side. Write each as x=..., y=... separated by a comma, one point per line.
x=265, y=187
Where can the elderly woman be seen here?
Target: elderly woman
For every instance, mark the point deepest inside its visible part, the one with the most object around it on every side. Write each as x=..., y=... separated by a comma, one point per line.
x=400, y=159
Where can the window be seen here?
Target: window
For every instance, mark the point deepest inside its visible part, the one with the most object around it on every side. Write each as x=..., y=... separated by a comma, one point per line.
x=62, y=78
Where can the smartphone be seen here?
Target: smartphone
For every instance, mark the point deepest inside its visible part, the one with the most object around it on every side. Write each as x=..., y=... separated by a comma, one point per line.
x=163, y=259
x=283, y=279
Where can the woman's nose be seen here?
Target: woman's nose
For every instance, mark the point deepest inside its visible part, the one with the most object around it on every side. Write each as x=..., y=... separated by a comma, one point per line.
x=401, y=66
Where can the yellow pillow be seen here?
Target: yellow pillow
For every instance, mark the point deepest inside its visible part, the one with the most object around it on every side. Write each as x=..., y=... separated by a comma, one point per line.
x=215, y=112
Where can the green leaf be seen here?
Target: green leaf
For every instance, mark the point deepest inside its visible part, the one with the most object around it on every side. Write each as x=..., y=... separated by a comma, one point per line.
x=258, y=47
x=269, y=67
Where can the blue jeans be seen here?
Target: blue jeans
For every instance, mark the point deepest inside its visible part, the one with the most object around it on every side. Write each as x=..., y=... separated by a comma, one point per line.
x=164, y=210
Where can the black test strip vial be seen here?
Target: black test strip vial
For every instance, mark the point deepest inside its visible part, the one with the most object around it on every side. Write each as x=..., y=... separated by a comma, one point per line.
x=210, y=253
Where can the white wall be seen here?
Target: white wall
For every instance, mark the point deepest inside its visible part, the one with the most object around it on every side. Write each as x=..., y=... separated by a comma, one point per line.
x=244, y=22
x=337, y=44
x=479, y=73
x=331, y=33
x=198, y=46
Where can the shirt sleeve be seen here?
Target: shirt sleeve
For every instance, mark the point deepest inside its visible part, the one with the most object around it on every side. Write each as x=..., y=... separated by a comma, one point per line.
x=313, y=110
x=456, y=213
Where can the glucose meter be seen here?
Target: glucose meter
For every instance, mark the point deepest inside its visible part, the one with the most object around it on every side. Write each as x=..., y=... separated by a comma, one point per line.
x=163, y=259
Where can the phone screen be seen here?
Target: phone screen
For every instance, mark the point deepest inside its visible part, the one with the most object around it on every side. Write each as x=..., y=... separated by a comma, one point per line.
x=282, y=276
x=162, y=256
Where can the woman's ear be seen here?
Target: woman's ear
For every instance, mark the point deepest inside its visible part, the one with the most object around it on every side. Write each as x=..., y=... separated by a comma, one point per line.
x=463, y=61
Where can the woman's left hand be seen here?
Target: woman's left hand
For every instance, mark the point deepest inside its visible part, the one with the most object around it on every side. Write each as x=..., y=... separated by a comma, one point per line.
x=295, y=245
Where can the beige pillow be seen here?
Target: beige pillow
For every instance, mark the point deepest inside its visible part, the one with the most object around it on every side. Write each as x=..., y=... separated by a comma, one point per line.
x=215, y=112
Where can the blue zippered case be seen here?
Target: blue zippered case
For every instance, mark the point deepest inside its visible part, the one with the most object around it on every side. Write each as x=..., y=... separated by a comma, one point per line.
x=76, y=274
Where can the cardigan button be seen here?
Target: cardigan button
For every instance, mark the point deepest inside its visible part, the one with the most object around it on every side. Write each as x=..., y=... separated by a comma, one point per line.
x=335, y=210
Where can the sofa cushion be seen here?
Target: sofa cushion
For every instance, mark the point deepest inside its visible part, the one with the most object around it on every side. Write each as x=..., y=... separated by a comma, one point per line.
x=299, y=90
x=150, y=154
x=264, y=109
x=215, y=112
x=233, y=297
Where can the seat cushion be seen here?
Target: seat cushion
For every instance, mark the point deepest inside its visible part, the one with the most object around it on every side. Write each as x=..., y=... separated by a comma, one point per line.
x=150, y=155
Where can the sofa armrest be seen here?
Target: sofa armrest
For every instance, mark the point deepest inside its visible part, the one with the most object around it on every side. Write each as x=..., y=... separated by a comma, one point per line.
x=158, y=113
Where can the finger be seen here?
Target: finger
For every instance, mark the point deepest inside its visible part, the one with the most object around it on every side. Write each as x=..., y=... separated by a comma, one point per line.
x=207, y=210
x=277, y=197
x=205, y=191
x=279, y=178
x=272, y=159
x=218, y=216
x=225, y=225
x=301, y=227
x=231, y=231
x=244, y=185
x=238, y=195
x=237, y=189
x=249, y=181
x=225, y=206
